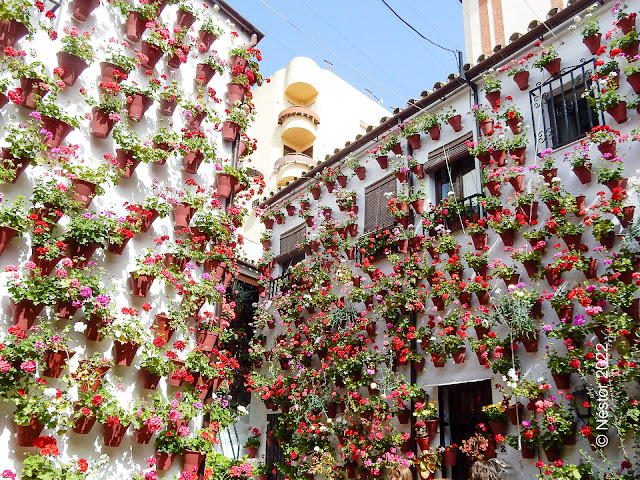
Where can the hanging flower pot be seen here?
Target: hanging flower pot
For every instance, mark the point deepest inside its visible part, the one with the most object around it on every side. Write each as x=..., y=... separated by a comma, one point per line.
x=26, y=434
x=141, y=284
x=6, y=235
x=55, y=361
x=631, y=50
x=65, y=310
x=592, y=42
x=206, y=39
x=554, y=453
x=402, y=177
x=450, y=458
x=225, y=183
x=553, y=67
x=620, y=183
x=151, y=55
x=24, y=313
x=58, y=129
x=168, y=106
x=438, y=360
x=507, y=237
x=562, y=380
x=10, y=32
x=83, y=424
x=455, y=122
x=113, y=434
x=619, y=112
x=9, y=162
x=494, y=188
x=162, y=327
x=126, y=162
x=184, y=19
x=627, y=24
x=135, y=26
x=83, y=191
x=204, y=73
x=148, y=380
x=383, y=161
x=493, y=98
x=182, y=213
x=110, y=72
x=498, y=428
x=235, y=93
x=522, y=80
x=207, y=339
x=143, y=435
x=414, y=141
x=460, y=356
x=193, y=459
x=515, y=413
x=230, y=131
x=342, y=180
x=434, y=133
x=627, y=215
x=124, y=352
x=139, y=105
x=72, y=65
x=634, y=81
x=572, y=241
x=515, y=124
x=191, y=162
x=30, y=92
x=549, y=175
x=486, y=126
x=553, y=277
x=418, y=206
x=403, y=416
x=81, y=9
x=101, y=123
x=81, y=254
x=583, y=173
x=530, y=343
x=238, y=61
x=517, y=183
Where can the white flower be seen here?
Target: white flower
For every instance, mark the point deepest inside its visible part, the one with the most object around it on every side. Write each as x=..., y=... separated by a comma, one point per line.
x=216, y=8
x=50, y=392
x=79, y=350
x=79, y=327
x=242, y=410
x=577, y=19
x=572, y=27
x=588, y=15
x=316, y=448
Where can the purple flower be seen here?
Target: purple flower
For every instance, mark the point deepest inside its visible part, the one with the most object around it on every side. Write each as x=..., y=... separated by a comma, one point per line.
x=85, y=291
x=103, y=300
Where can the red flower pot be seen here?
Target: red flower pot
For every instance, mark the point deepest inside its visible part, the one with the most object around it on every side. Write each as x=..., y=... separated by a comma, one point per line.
x=225, y=184
x=522, y=80
x=10, y=32
x=634, y=81
x=619, y=112
x=31, y=91
x=124, y=352
x=83, y=191
x=403, y=416
x=148, y=380
x=493, y=98
x=81, y=9
x=460, y=356
x=81, y=254
x=572, y=241
x=18, y=165
x=101, y=124
x=583, y=173
x=361, y=172
x=554, y=453
x=139, y=105
x=191, y=162
x=168, y=106
x=450, y=458
x=455, y=122
x=515, y=413
x=206, y=39
x=163, y=327
x=152, y=54
x=72, y=65
x=627, y=24
x=230, y=131
x=414, y=141
x=517, y=183
x=438, y=360
x=57, y=128
x=498, y=428
x=207, y=339
x=204, y=73
x=193, y=122
x=6, y=235
x=527, y=452
x=26, y=434
x=83, y=425
x=184, y=19
x=182, y=213
x=193, y=458
x=235, y=93
x=486, y=126
x=592, y=42
x=135, y=26
x=507, y=237
x=110, y=72
x=164, y=460
x=24, y=313
x=562, y=380
x=383, y=161
x=126, y=162
x=494, y=188
x=553, y=67
x=434, y=133
x=631, y=50
x=531, y=344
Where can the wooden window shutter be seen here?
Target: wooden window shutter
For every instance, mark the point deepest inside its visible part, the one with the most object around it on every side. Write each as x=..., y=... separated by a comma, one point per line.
x=292, y=240
x=376, y=214
x=452, y=151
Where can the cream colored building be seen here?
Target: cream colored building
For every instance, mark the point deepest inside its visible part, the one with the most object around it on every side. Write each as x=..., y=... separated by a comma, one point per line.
x=304, y=113
x=489, y=24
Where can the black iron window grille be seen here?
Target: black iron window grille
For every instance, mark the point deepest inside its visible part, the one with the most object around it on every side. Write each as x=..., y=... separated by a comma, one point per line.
x=559, y=113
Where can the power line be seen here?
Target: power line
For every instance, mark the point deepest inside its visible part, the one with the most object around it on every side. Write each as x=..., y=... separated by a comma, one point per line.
x=429, y=24
x=331, y=53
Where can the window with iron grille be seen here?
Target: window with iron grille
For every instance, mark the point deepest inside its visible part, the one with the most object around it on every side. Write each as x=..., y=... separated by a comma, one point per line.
x=376, y=213
x=559, y=113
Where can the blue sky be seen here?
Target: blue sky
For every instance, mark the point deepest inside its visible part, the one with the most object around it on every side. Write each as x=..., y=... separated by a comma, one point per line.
x=364, y=33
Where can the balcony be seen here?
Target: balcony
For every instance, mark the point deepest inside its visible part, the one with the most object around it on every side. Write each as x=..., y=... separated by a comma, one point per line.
x=299, y=126
x=294, y=158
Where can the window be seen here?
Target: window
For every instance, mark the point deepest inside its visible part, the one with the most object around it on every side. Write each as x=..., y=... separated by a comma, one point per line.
x=274, y=453
x=376, y=213
x=460, y=413
x=291, y=242
x=560, y=114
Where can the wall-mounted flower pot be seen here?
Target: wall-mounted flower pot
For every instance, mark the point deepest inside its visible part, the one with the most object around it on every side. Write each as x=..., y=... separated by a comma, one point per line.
x=515, y=124
x=65, y=310
x=383, y=161
x=168, y=106
x=530, y=343
x=515, y=413
x=193, y=459
x=498, y=428
x=72, y=65
x=225, y=184
x=239, y=61
x=81, y=254
x=206, y=39
x=455, y=122
x=6, y=235
x=631, y=50
x=164, y=460
x=207, y=339
x=619, y=112
x=135, y=26
x=55, y=361
x=83, y=424
x=553, y=67
x=486, y=126
x=163, y=327
x=124, y=352
x=58, y=130
x=10, y=32
x=182, y=213
x=83, y=191
x=101, y=124
x=81, y=9
x=94, y=324
x=554, y=453
x=572, y=241
x=24, y=313
x=450, y=458
x=143, y=435
x=479, y=240
x=592, y=42
x=434, y=132
x=583, y=173
x=460, y=356
x=147, y=219
x=117, y=248
x=517, y=183
x=108, y=73
x=112, y=435
x=31, y=92
x=184, y=19
x=126, y=162
x=152, y=54
x=26, y=434
x=139, y=105
x=235, y=92
x=148, y=380
x=204, y=73
x=522, y=80
x=101, y=371
x=230, y=131
x=493, y=98
x=438, y=360
x=414, y=141
x=174, y=61
x=141, y=284
x=191, y=162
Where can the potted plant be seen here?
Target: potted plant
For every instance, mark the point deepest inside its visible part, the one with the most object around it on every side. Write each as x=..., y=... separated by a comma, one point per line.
x=12, y=220
x=35, y=83
x=115, y=421
x=548, y=59
x=481, y=115
x=590, y=32
x=431, y=124
x=106, y=112
x=253, y=442
x=236, y=121
x=209, y=65
x=15, y=20
x=76, y=54
x=608, y=100
x=154, y=364
x=117, y=64
x=89, y=182
x=497, y=418
x=492, y=87
x=411, y=131
x=356, y=166
x=208, y=33
x=519, y=71
x=24, y=144
x=196, y=148
x=170, y=95
x=138, y=99
x=57, y=125
x=453, y=118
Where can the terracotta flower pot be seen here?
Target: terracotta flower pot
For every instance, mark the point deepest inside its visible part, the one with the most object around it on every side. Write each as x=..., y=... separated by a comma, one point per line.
x=438, y=360
x=361, y=172
x=182, y=213
x=26, y=434
x=135, y=26
x=110, y=72
x=184, y=19
x=148, y=380
x=55, y=361
x=24, y=313
x=83, y=191
x=163, y=327
x=619, y=112
x=206, y=39
x=455, y=122
x=225, y=184
x=235, y=93
x=10, y=32
x=592, y=42
x=531, y=343
x=194, y=122
x=434, y=133
x=204, y=73
x=562, y=380
x=460, y=356
x=81, y=254
x=124, y=352
x=168, y=106
x=553, y=67
x=450, y=458
x=383, y=161
x=65, y=310
x=498, y=428
x=139, y=105
x=627, y=24
x=634, y=81
x=58, y=130
x=207, y=339
x=493, y=98
x=517, y=183
x=126, y=162
x=230, y=131
x=515, y=413
x=152, y=54
x=486, y=126
x=553, y=454
x=191, y=162
x=631, y=50
x=83, y=425
x=414, y=141
x=583, y=173
x=522, y=80
x=507, y=237
x=6, y=235
x=81, y=9
x=72, y=65
x=31, y=92
x=101, y=124
x=9, y=162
